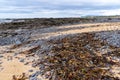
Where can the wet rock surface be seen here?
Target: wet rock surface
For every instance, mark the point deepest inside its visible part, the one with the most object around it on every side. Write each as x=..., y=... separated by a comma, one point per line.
x=13, y=39
x=112, y=37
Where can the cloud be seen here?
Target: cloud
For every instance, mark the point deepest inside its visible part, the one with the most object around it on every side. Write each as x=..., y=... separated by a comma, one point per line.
x=58, y=8
x=81, y=2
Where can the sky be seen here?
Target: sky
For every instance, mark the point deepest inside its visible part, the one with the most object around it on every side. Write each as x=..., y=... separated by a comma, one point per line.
x=57, y=8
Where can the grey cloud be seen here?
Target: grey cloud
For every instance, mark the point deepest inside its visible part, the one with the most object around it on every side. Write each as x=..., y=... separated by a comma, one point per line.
x=60, y=8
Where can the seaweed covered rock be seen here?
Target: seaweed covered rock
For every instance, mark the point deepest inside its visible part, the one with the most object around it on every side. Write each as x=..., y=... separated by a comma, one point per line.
x=77, y=58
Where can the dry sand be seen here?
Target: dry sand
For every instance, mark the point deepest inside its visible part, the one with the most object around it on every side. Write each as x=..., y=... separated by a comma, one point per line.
x=12, y=66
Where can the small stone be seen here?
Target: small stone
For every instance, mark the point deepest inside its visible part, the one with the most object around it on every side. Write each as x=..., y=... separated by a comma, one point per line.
x=33, y=65
x=18, y=42
x=47, y=75
x=21, y=60
x=33, y=78
x=1, y=62
x=30, y=70
x=34, y=75
x=9, y=58
x=26, y=63
x=1, y=56
x=42, y=67
x=16, y=54
x=1, y=69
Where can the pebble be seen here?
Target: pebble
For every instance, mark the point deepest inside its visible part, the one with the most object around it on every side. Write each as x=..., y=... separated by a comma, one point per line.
x=33, y=65
x=1, y=56
x=30, y=70
x=16, y=54
x=41, y=67
x=1, y=62
x=47, y=75
x=1, y=68
x=21, y=60
x=26, y=63
x=18, y=42
x=9, y=58
x=33, y=78
x=35, y=74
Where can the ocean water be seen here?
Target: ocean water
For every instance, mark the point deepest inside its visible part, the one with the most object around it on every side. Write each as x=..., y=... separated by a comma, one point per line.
x=5, y=20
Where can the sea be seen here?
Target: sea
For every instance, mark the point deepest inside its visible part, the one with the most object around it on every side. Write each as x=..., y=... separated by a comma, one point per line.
x=6, y=20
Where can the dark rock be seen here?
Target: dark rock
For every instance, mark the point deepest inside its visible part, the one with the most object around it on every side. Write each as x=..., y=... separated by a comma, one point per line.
x=21, y=60
x=1, y=56
x=30, y=70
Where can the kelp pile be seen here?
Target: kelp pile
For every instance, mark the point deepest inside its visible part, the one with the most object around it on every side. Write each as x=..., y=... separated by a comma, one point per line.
x=20, y=77
x=77, y=58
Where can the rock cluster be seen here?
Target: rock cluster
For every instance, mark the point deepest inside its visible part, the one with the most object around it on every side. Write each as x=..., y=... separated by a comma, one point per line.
x=112, y=37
